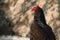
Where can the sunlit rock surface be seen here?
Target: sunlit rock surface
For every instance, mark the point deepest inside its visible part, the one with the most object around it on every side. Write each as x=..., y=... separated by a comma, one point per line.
x=17, y=17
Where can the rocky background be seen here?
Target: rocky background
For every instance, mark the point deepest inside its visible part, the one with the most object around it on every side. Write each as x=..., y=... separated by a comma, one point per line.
x=16, y=16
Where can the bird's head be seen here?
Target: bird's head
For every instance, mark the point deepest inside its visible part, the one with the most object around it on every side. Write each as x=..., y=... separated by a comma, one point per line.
x=35, y=8
x=38, y=13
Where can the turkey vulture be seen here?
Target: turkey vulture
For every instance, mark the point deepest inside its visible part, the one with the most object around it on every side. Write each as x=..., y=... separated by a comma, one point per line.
x=39, y=29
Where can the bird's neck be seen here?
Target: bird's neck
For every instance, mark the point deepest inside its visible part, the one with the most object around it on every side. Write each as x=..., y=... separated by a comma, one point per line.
x=39, y=16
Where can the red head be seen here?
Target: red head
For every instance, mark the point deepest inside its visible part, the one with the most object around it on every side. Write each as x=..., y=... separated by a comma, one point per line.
x=35, y=8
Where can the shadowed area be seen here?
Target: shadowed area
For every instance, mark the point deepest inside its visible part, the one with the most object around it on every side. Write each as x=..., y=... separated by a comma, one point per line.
x=5, y=24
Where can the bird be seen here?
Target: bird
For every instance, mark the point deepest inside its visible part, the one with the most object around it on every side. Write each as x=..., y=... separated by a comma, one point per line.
x=40, y=30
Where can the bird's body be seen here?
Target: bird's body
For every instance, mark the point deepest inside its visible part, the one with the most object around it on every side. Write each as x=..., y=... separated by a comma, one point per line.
x=37, y=33
x=39, y=29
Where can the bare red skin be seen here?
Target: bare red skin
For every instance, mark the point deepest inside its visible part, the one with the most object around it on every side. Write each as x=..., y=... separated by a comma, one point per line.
x=35, y=8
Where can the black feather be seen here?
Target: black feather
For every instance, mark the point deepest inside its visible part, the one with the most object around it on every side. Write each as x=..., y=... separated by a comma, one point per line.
x=39, y=20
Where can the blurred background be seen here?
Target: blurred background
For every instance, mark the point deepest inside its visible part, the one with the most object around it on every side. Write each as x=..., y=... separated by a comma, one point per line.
x=16, y=15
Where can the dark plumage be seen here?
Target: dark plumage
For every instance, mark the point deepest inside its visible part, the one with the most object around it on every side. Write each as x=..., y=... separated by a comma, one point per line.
x=39, y=29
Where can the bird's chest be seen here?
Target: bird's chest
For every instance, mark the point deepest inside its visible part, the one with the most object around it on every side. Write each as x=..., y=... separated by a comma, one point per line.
x=37, y=33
